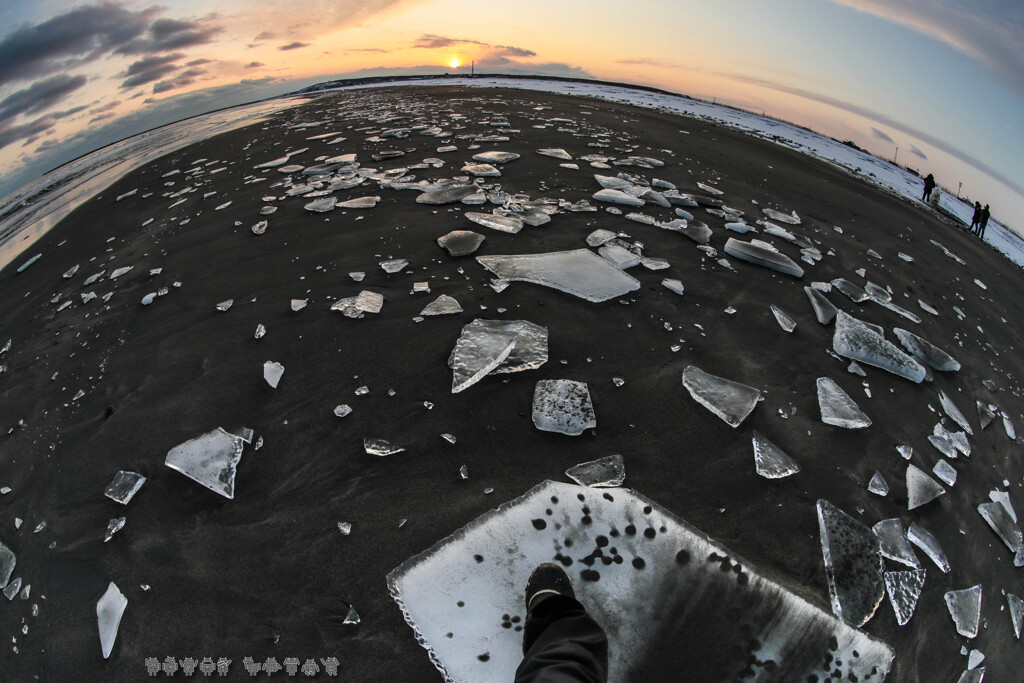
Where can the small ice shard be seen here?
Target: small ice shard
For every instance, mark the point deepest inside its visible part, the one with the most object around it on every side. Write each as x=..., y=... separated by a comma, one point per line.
x=209, y=459
x=837, y=408
x=280, y=161
x=729, y=400
x=299, y=304
x=113, y=526
x=927, y=352
x=345, y=528
x=124, y=486
x=877, y=293
x=619, y=257
x=120, y=271
x=359, y=203
x=509, y=224
x=495, y=157
x=225, y=305
x=351, y=617
x=606, y=472
x=354, y=306
x=904, y=588
x=854, y=369
x=394, y=265
x=921, y=488
x=71, y=271
x=853, y=339
x=380, y=447
x=972, y=676
x=35, y=258
x=260, y=331
x=770, y=460
x=985, y=414
x=580, y=272
x=555, y=152
x=290, y=168
x=272, y=372
x=464, y=472
x=342, y=410
x=924, y=540
x=442, y=305
x=975, y=658
x=498, y=346
x=450, y=438
x=362, y=391
x=853, y=565
x=130, y=193
x=599, y=237
x=824, y=311
x=563, y=406
x=855, y=293
x=654, y=263
x=965, y=608
x=79, y=394
x=108, y=616
x=905, y=257
x=322, y=205
x=892, y=540
x=148, y=299
x=481, y=170
x=13, y=588
x=785, y=322
x=954, y=412
x=617, y=197
x=260, y=228
x=7, y=563
x=1016, y=606
x=790, y=219
x=761, y=256
x=946, y=472
x=446, y=195
x=1004, y=526
x=461, y=242
x=674, y=285
x=878, y=485
x=268, y=210
x=1008, y=427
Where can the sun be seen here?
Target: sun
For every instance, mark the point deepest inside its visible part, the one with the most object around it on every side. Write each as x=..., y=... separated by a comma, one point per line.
x=454, y=62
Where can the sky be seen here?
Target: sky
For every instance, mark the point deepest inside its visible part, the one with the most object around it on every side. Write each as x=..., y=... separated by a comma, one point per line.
x=937, y=85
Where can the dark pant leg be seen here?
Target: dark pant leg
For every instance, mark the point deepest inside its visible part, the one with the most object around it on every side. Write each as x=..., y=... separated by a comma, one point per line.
x=562, y=644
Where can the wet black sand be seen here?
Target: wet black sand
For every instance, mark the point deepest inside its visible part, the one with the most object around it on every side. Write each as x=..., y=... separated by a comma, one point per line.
x=268, y=573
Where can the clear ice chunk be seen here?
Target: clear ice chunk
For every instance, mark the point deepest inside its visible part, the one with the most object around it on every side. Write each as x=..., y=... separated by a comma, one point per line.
x=442, y=305
x=394, y=265
x=985, y=414
x=771, y=461
x=855, y=293
x=618, y=256
x=1016, y=606
x=108, y=616
x=461, y=242
x=113, y=526
x=673, y=285
x=954, y=412
x=225, y=305
x=509, y=224
x=446, y=195
x=926, y=352
x=120, y=271
x=853, y=565
x=944, y=471
x=481, y=170
x=495, y=157
x=12, y=589
x=617, y=197
x=1008, y=427
x=342, y=410
x=904, y=588
x=364, y=302
x=599, y=237
x=785, y=322
x=729, y=400
x=498, y=346
x=1004, y=526
x=563, y=406
x=761, y=256
x=272, y=372
x=210, y=460
x=671, y=571
x=965, y=608
x=606, y=472
x=381, y=447
x=322, y=205
x=124, y=486
x=878, y=485
x=893, y=542
x=788, y=218
x=921, y=488
x=7, y=564
x=555, y=152
x=837, y=408
x=580, y=272
x=853, y=339
x=824, y=310
x=924, y=540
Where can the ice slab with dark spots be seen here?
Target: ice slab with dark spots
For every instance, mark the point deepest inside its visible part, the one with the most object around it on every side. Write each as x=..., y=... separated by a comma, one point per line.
x=606, y=472
x=921, y=488
x=109, y=609
x=853, y=565
x=837, y=408
x=965, y=608
x=771, y=461
x=999, y=519
x=124, y=486
x=563, y=406
x=824, y=310
x=853, y=339
x=580, y=272
x=727, y=399
x=904, y=588
x=209, y=459
x=461, y=242
x=926, y=352
x=762, y=256
x=662, y=602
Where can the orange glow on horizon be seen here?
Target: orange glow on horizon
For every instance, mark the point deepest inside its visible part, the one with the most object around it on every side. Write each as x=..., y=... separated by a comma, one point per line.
x=454, y=62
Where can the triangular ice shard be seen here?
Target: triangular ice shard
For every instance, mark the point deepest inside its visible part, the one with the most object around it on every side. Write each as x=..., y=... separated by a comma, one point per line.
x=824, y=311
x=965, y=608
x=985, y=414
x=761, y=256
x=563, y=406
x=1004, y=526
x=921, y=488
x=442, y=305
x=892, y=540
x=878, y=485
x=837, y=408
x=904, y=588
x=580, y=272
x=856, y=341
x=209, y=459
x=108, y=616
x=1016, y=606
x=770, y=460
x=924, y=540
x=853, y=565
x=927, y=352
x=729, y=400
x=606, y=472
x=954, y=412
x=785, y=322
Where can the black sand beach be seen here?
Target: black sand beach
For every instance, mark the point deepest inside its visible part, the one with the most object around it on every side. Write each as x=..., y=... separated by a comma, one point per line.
x=269, y=574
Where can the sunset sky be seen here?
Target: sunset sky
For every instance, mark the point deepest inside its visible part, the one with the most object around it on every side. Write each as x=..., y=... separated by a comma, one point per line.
x=941, y=79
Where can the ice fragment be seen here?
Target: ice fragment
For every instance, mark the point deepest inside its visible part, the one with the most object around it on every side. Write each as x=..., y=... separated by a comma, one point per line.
x=785, y=322
x=759, y=255
x=209, y=459
x=225, y=305
x=442, y=305
x=563, y=406
x=921, y=488
x=904, y=588
x=461, y=242
x=7, y=563
x=856, y=341
x=893, y=542
x=272, y=372
x=606, y=472
x=1016, y=606
x=113, y=526
x=729, y=400
x=342, y=410
x=853, y=565
x=770, y=460
x=354, y=306
x=924, y=540
x=108, y=616
x=673, y=285
x=579, y=272
x=1004, y=526
x=837, y=408
x=509, y=224
x=878, y=485
x=965, y=608
x=954, y=412
x=824, y=311
x=381, y=447
x=394, y=265
x=124, y=486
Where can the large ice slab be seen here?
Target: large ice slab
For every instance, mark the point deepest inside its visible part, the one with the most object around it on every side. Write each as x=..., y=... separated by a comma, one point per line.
x=926, y=352
x=761, y=256
x=837, y=408
x=853, y=565
x=965, y=608
x=498, y=346
x=855, y=340
x=662, y=604
x=729, y=400
x=563, y=406
x=109, y=609
x=580, y=272
x=209, y=459
x=771, y=461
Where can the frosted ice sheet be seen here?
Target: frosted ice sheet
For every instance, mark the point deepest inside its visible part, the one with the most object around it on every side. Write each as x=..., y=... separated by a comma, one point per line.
x=606, y=472
x=729, y=400
x=785, y=322
x=855, y=340
x=824, y=310
x=965, y=608
x=124, y=485
x=563, y=406
x=209, y=459
x=109, y=609
x=661, y=605
x=853, y=565
x=442, y=305
x=1004, y=526
x=893, y=542
x=498, y=346
x=771, y=461
x=461, y=242
x=924, y=540
x=921, y=488
x=580, y=272
x=837, y=408
x=904, y=588
x=954, y=412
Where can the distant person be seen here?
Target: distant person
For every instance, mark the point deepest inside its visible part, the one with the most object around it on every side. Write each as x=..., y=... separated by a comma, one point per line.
x=929, y=185
x=976, y=217
x=983, y=221
x=561, y=642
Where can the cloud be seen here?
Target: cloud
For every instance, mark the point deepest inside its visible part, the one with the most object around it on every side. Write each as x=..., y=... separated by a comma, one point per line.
x=39, y=96
x=881, y=135
x=197, y=62
x=11, y=134
x=293, y=46
x=266, y=35
x=102, y=117
x=169, y=34
x=648, y=61
x=66, y=113
x=431, y=41
x=254, y=65
x=149, y=69
x=180, y=81
x=915, y=150
x=105, y=107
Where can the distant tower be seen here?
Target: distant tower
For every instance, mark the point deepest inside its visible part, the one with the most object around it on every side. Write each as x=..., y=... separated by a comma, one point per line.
x=472, y=69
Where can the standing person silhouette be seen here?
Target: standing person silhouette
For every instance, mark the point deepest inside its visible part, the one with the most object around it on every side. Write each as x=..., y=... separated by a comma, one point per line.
x=983, y=221
x=929, y=185
x=976, y=217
